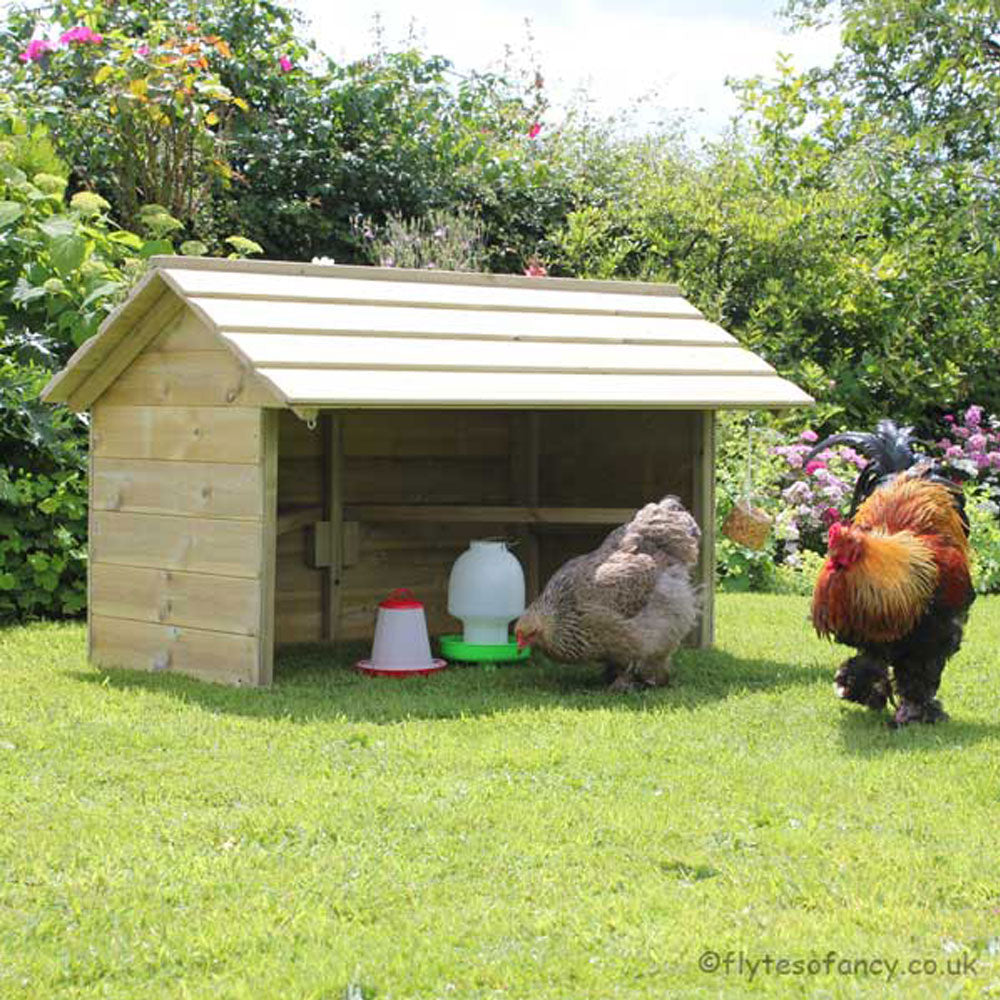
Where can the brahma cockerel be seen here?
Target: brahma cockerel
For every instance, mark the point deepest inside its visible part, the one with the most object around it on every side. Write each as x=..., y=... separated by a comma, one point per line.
x=896, y=583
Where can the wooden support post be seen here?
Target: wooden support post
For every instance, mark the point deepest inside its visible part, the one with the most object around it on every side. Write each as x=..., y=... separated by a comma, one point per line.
x=90, y=536
x=333, y=513
x=524, y=458
x=703, y=450
x=268, y=544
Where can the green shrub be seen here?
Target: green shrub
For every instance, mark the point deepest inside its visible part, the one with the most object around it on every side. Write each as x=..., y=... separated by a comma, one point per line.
x=983, y=509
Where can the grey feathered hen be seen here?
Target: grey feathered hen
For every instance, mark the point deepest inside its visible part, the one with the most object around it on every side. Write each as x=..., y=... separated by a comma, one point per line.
x=629, y=603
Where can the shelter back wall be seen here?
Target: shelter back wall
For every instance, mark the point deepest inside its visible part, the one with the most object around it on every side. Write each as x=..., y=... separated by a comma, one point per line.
x=467, y=457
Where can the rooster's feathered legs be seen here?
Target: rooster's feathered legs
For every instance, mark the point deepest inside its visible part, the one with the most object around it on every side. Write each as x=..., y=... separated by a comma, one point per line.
x=863, y=679
x=918, y=664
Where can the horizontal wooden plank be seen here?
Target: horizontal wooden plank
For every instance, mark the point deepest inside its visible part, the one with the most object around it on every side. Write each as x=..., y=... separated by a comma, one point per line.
x=192, y=433
x=189, y=378
x=187, y=332
x=365, y=272
x=212, y=656
x=325, y=320
x=228, y=548
x=170, y=597
x=210, y=489
x=427, y=480
x=278, y=350
x=362, y=388
x=487, y=514
x=253, y=289
x=425, y=433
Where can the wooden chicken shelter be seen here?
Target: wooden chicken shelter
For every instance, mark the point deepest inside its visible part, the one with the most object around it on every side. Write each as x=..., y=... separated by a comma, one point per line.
x=276, y=446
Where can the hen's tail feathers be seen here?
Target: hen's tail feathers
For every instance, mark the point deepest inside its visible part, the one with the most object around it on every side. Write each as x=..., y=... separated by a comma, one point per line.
x=664, y=529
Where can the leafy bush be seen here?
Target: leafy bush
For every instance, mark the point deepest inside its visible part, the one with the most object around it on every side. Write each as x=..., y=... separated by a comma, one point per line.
x=43, y=499
x=983, y=508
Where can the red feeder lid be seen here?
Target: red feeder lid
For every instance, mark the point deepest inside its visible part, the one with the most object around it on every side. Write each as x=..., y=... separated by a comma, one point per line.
x=400, y=599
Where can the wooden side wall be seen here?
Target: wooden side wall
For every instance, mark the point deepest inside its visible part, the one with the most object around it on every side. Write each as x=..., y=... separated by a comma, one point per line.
x=181, y=555
x=476, y=457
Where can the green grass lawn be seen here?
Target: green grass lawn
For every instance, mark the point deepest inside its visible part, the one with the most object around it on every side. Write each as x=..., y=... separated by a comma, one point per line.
x=504, y=832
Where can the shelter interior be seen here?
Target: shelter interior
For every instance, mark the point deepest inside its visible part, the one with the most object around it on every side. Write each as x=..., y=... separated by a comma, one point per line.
x=405, y=491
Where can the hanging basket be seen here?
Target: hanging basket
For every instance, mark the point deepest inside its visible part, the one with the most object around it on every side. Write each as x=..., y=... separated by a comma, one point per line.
x=747, y=525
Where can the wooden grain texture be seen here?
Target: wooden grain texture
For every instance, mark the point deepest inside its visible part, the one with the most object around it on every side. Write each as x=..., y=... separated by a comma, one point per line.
x=223, y=547
x=621, y=459
x=268, y=493
x=478, y=389
x=189, y=378
x=187, y=332
x=334, y=492
x=426, y=434
x=211, y=656
x=189, y=433
x=434, y=480
x=478, y=325
x=128, y=346
x=298, y=592
x=703, y=448
x=209, y=489
x=479, y=514
x=229, y=299
x=171, y=597
x=206, y=273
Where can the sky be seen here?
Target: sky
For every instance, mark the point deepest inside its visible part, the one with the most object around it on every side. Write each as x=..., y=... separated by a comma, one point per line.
x=673, y=54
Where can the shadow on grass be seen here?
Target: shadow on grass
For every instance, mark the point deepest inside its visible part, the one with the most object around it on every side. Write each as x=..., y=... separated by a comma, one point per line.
x=867, y=734
x=316, y=682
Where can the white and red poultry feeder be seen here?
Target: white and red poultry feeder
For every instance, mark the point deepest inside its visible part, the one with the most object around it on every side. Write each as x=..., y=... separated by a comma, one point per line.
x=402, y=647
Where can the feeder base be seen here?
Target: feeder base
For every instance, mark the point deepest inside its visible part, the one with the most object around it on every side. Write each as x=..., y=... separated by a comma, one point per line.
x=367, y=667
x=454, y=648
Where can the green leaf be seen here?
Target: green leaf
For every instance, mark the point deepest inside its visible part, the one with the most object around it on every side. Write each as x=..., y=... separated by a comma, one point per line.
x=105, y=288
x=68, y=253
x=7, y=581
x=151, y=247
x=58, y=225
x=127, y=239
x=243, y=246
x=10, y=211
x=194, y=248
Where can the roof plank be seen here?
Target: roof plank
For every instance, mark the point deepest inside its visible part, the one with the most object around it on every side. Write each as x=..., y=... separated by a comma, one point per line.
x=364, y=388
x=249, y=316
x=295, y=351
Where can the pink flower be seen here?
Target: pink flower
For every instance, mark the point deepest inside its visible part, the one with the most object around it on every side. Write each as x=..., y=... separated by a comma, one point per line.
x=977, y=442
x=962, y=432
x=36, y=49
x=982, y=461
x=143, y=50
x=534, y=130
x=286, y=64
x=949, y=418
x=535, y=269
x=973, y=416
x=81, y=33
x=953, y=452
x=814, y=466
x=994, y=457
x=810, y=436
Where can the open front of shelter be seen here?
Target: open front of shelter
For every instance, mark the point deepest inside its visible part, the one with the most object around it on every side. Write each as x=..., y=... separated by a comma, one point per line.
x=276, y=446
